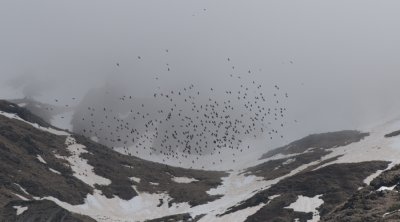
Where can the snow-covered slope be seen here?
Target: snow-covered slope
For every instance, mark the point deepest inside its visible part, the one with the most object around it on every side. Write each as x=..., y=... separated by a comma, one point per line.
x=43, y=168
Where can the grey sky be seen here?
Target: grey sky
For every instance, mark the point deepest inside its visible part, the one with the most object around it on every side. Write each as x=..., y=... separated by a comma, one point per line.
x=345, y=54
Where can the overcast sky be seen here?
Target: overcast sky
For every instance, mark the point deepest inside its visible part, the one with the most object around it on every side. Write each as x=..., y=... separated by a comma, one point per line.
x=339, y=60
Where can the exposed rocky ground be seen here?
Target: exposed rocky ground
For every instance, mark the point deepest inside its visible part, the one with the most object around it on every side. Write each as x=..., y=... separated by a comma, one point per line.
x=32, y=167
x=380, y=201
x=51, y=175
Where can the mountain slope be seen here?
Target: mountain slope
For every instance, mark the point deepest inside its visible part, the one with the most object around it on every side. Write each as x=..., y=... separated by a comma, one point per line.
x=49, y=174
x=39, y=163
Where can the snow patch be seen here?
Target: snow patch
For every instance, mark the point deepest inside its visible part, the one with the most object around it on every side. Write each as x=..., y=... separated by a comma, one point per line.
x=376, y=174
x=54, y=171
x=183, y=179
x=41, y=159
x=273, y=197
x=142, y=207
x=94, y=139
x=289, y=161
x=135, y=179
x=307, y=204
x=82, y=170
x=382, y=188
x=20, y=210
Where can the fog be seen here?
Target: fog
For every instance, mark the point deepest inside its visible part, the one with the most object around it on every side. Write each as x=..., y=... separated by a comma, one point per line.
x=337, y=60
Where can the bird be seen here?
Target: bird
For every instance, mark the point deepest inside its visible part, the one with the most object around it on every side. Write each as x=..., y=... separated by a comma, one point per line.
x=193, y=121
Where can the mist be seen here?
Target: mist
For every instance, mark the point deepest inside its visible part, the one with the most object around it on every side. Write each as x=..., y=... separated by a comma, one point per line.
x=338, y=60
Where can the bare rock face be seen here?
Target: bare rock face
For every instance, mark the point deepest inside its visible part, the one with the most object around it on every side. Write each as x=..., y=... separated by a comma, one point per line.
x=393, y=134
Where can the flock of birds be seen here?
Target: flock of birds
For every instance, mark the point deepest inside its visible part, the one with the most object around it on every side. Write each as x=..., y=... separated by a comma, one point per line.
x=187, y=122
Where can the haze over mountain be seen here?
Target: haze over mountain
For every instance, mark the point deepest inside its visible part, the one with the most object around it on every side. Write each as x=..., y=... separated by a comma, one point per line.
x=325, y=55
x=199, y=110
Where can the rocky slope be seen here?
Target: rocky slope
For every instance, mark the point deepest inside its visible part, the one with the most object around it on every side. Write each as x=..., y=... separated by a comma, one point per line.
x=47, y=174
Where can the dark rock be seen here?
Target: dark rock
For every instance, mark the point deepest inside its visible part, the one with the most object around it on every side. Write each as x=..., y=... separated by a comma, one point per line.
x=393, y=134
